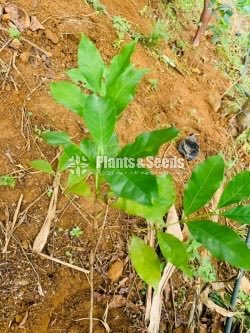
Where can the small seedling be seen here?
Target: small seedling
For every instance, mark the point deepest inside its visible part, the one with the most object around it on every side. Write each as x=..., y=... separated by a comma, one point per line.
x=122, y=27
x=68, y=254
x=201, y=267
x=97, y=5
x=8, y=181
x=153, y=84
x=49, y=192
x=75, y=232
x=14, y=33
x=157, y=35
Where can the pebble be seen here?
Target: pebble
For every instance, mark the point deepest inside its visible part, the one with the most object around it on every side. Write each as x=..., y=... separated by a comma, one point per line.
x=214, y=100
x=52, y=36
x=18, y=318
x=189, y=147
x=24, y=57
x=6, y=17
x=16, y=44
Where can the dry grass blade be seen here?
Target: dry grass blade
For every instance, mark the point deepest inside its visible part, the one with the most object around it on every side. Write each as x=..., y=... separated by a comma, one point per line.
x=42, y=237
x=214, y=307
x=80, y=269
x=155, y=313
x=9, y=229
x=150, y=241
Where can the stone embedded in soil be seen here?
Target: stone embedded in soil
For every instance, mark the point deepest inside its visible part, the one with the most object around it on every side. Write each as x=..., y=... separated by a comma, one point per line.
x=5, y=17
x=214, y=100
x=24, y=57
x=16, y=44
x=18, y=319
x=52, y=36
x=115, y=270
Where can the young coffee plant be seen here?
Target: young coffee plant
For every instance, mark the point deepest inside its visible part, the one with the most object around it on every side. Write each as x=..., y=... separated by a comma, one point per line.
x=221, y=241
x=99, y=94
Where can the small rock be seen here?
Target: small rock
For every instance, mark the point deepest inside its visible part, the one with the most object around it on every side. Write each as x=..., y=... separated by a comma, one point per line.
x=18, y=319
x=16, y=44
x=52, y=36
x=189, y=148
x=5, y=17
x=115, y=270
x=25, y=57
x=243, y=117
x=214, y=100
x=25, y=245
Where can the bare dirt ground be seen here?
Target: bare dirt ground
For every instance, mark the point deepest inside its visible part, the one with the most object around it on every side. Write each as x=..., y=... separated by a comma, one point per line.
x=37, y=295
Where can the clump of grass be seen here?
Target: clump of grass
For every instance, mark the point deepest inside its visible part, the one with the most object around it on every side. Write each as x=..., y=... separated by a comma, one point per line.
x=157, y=34
x=97, y=5
x=122, y=26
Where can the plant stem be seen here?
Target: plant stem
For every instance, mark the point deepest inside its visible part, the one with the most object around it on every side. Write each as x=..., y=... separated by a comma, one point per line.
x=229, y=321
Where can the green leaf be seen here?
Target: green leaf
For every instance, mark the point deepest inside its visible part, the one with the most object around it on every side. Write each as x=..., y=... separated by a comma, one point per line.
x=119, y=63
x=68, y=95
x=222, y=242
x=76, y=75
x=42, y=165
x=160, y=205
x=240, y=214
x=149, y=143
x=134, y=184
x=145, y=262
x=122, y=90
x=63, y=162
x=77, y=185
x=89, y=150
x=205, y=180
x=56, y=138
x=99, y=115
x=174, y=251
x=72, y=150
x=237, y=189
x=91, y=64
x=113, y=146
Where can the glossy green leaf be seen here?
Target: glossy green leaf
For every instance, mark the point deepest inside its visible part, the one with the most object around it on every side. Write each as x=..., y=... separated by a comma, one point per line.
x=149, y=143
x=135, y=184
x=72, y=150
x=76, y=75
x=240, y=214
x=113, y=146
x=204, y=182
x=174, y=251
x=119, y=63
x=89, y=150
x=42, y=165
x=68, y=95
x=99, y=116
x=63, y=162
x=222, y=242
x=145, y=262
x=56, y=138
x=77, y=185
x=91, y=64
x=160, y=205
x=122, y=90
x=237, y=189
